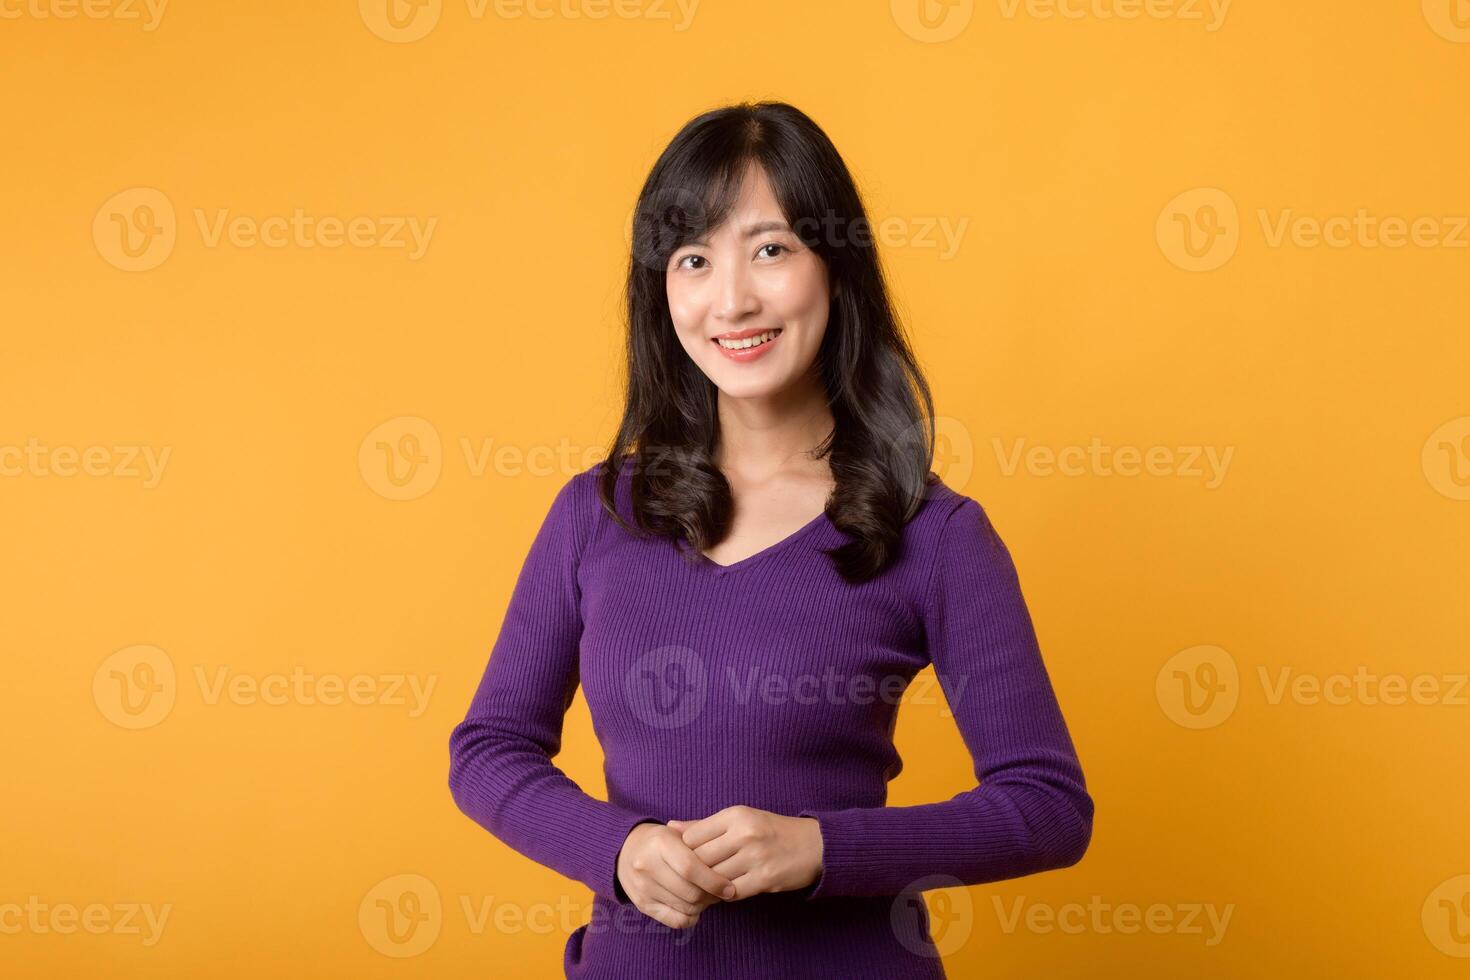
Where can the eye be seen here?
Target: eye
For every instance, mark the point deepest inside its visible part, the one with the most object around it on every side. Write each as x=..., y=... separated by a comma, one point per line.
x=680, y=263
x=775, y=245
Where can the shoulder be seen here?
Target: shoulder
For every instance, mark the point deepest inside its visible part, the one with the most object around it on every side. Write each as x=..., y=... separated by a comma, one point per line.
x=955, y=536
x=582, y=487
x=585, y=487
x=941, y=507
x=579, y=502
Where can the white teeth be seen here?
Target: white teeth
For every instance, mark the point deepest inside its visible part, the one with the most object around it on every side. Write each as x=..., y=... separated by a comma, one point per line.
x=745, y=342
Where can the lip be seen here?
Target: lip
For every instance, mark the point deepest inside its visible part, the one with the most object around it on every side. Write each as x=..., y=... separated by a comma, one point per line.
x=749, y=353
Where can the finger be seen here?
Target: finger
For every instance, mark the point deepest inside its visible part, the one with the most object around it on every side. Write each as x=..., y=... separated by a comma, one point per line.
x=703, y=831
x=746, y=885
x=718, y=851
x=689, y=877
x=657, y=892
x=734, y=866
x=672, y=918
x=676, y=886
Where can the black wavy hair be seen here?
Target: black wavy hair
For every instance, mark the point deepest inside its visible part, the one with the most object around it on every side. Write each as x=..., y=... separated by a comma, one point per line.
x=882, y=445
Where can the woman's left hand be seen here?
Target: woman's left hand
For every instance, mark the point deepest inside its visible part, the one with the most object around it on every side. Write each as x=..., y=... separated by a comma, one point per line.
x=757, y=850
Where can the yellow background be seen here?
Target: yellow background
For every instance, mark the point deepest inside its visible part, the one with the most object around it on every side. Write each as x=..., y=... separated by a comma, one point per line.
x=1335, y=540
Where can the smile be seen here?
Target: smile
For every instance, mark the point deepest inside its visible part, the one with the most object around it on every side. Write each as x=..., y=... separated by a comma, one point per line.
x=742, y=349
x=745, y=343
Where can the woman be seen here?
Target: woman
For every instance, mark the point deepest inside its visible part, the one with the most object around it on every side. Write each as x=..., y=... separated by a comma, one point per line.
x=744, y=587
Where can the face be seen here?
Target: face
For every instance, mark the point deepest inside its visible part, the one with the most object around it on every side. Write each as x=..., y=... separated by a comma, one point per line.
x=749, y=301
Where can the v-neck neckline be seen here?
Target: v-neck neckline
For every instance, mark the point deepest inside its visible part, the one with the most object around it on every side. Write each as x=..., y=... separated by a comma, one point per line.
x=716, y=568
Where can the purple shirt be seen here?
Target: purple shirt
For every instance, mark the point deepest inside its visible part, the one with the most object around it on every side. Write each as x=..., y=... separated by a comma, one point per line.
x=772, y=683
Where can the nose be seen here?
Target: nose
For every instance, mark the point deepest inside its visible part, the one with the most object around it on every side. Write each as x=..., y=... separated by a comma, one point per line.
x=736, y=297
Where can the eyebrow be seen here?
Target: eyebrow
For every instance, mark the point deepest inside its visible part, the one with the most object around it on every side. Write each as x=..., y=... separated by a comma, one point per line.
x=751, y=231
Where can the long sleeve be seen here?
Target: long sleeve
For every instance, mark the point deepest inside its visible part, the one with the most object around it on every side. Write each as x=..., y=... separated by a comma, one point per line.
x=1030, y=811
x=500, y=769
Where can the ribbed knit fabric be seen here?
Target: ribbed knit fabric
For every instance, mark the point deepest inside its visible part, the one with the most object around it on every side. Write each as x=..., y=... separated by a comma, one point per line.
x=772, y=683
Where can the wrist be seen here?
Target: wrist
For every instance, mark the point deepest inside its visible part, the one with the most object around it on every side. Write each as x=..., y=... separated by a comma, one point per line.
x=813, y=829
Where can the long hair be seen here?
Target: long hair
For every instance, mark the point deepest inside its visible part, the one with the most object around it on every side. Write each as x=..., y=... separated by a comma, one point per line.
x=882, y=444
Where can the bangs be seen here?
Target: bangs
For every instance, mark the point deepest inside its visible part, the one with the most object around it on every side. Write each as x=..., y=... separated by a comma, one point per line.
x=694, y=197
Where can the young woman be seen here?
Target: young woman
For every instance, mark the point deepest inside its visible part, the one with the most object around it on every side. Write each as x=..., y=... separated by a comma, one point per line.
x=744, y=588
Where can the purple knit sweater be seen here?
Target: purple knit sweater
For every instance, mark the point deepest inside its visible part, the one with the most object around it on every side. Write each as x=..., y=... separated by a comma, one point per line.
x=769, y=682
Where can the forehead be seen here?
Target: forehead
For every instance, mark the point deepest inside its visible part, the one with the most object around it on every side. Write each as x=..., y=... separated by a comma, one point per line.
x=756, y=200
x=755, y=186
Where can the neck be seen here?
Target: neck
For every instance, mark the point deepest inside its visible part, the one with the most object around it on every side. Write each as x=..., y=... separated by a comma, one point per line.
x=760, y=437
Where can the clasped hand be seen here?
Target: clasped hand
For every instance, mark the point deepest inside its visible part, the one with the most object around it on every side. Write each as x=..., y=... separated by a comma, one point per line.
x=672, y=872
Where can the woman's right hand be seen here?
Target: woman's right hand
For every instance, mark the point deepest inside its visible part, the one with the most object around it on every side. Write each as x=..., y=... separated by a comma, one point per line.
x=665, y=879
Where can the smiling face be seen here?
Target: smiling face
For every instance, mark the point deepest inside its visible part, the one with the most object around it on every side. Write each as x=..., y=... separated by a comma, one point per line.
x=749, y=301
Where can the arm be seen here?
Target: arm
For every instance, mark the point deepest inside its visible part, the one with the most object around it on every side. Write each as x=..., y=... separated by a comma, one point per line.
x=1031, y=811
x=500, y=770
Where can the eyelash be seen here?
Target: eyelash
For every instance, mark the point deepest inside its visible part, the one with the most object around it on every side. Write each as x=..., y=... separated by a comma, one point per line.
x=767, y=245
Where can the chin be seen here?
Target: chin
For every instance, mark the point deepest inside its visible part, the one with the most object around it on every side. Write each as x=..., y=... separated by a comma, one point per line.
x=747, y=387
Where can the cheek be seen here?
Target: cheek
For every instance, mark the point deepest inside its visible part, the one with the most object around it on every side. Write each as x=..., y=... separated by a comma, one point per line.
x=683, y=308
x=687, y=310
x=803, y=296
